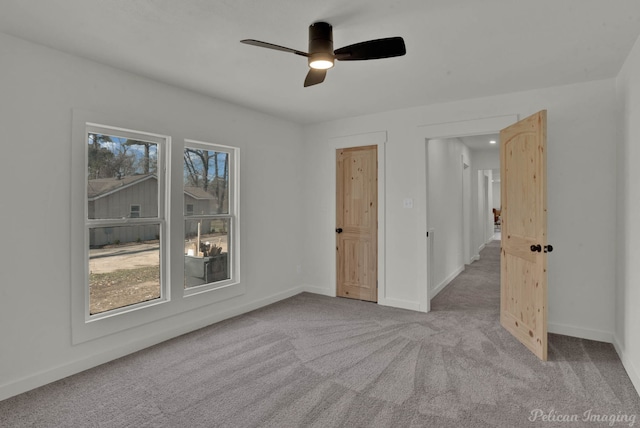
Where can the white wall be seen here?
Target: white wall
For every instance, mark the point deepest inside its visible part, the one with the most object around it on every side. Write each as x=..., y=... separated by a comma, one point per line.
x=580, y=125
x=483, y=160
x=445, y=209
x=496, y=189
x=485, y=217
x=39, y=88
x=627, y=337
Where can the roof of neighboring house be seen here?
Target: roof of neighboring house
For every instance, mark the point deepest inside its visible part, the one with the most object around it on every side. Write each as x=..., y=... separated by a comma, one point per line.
x=100, y=187
x=197, y=192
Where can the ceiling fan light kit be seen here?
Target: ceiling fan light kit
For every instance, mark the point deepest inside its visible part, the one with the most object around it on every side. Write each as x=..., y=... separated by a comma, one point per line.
x=321, y=55
x=321, y=46
x=320, y=61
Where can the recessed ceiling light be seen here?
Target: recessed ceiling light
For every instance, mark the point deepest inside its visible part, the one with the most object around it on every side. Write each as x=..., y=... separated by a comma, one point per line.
x=492, y=142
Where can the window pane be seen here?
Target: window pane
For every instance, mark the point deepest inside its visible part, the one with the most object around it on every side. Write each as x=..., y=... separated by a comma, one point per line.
x=206, y=181
x=206, y=251
x=121, y=173
x=124, y=266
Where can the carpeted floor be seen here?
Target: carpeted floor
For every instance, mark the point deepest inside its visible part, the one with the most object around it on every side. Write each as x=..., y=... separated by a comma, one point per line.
x=315, y=361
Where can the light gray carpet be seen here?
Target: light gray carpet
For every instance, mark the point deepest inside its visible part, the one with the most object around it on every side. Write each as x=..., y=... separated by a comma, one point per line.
x=314, y=361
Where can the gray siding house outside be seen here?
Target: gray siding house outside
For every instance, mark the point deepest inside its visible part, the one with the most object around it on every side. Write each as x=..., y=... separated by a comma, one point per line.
x=136, y=196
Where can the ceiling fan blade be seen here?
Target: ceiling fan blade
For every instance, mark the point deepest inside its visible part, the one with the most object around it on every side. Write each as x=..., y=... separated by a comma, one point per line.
x=272, y=46
x=314, y=77
x=372, y=49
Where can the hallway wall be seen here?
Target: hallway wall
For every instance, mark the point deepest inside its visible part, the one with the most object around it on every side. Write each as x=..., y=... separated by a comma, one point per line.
x=627, y=325
x=445, y=215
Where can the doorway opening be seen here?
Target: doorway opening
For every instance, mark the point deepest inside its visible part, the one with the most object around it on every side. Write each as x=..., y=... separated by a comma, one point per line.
x=462, y=128
x=462, y=200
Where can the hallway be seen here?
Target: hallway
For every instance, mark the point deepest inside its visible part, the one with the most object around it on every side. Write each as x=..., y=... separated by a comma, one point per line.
x=477, y=287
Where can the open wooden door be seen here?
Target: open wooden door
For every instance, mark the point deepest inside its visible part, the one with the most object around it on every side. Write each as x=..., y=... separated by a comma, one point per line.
x=523, y=281
x=357, y=223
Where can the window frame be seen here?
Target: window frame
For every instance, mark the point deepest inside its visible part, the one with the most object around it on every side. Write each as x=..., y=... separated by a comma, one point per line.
x=231, y=215
x=160, y=220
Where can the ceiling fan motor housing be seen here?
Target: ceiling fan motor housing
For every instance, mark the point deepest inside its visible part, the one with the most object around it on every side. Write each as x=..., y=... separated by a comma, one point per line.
x=321, y=45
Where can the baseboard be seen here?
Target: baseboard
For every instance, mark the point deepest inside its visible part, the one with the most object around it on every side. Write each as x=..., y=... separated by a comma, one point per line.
x=395, y=303
x=44, y=377
x=446, y=282
x=398, y=303
x=632, y=371
x=320, y=290
x=583, y=333
x=481, y=248
x=475, y=258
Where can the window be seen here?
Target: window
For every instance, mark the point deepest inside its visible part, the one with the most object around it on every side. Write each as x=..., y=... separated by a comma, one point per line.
x=125, y=241
x=209, y=215
x=134, y=211
x=130, y=251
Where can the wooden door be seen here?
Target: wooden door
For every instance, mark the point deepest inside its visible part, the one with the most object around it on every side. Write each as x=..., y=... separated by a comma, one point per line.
x=357, y=222
x=523, y=262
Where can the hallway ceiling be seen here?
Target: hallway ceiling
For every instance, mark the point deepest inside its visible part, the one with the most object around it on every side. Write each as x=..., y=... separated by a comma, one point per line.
x=456, y=49
x=481, y=142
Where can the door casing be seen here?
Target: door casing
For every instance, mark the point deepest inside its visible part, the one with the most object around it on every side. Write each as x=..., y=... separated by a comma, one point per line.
x=452, y=129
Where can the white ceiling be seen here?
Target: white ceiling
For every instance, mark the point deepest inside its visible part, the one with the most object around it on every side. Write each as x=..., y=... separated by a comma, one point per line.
x=456, y=49
x=481, y=142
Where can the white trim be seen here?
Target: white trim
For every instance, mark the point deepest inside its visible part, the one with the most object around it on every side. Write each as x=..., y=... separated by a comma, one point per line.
x=580, y=332
x=44, y=377
x=401, y=304
x=481, y=126
x=627, y=363
x=83, y=325
x=465, y=128
x=478, y=126
x=320, y=290
x=115, y=131
x=437, y=289
x=378, y=139
x=233, y=215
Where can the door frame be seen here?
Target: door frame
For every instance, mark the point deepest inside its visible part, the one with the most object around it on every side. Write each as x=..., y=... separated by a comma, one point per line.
x=378, y=139
x=463, y=128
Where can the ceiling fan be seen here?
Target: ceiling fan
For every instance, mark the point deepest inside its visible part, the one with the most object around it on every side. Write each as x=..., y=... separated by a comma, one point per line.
x=321, y=55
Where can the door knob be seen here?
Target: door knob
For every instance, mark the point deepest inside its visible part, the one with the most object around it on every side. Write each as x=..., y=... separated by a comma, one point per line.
x=536, y=248
x=339, y=230
x=548, y=248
